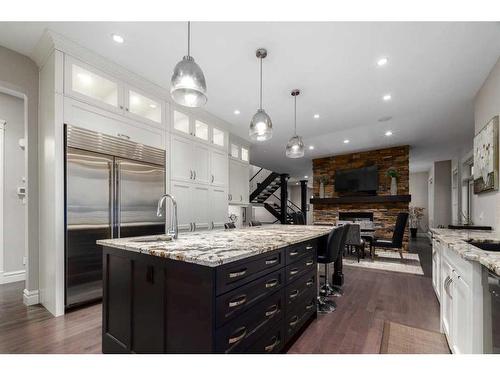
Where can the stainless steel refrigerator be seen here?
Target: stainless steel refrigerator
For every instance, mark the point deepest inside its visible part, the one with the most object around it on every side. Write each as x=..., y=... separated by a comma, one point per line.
x=112, y=189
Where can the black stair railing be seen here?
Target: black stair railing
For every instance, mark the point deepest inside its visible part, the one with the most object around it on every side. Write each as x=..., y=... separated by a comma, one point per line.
x=263, y=186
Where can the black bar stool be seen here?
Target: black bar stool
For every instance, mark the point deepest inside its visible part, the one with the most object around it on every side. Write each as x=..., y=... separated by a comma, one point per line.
x=334, y=248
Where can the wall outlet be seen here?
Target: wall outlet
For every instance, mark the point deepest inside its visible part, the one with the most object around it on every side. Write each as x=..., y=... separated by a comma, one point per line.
x=25, y=260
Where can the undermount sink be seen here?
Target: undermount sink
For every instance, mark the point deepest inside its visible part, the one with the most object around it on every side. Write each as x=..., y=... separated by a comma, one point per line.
x=152, y=239
x=487, y=245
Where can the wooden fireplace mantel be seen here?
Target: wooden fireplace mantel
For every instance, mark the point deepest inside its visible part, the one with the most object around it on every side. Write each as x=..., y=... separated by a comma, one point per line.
x=362, y=199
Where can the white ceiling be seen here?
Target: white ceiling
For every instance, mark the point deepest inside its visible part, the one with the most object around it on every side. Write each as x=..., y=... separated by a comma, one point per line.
x=433, y=74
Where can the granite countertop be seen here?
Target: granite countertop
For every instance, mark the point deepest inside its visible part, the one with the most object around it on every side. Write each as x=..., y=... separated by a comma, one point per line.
x=455, y=241
x=216, y=247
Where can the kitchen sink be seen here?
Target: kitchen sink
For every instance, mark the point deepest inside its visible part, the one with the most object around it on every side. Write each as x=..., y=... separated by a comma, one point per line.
x=487, y=245
x=152, y=239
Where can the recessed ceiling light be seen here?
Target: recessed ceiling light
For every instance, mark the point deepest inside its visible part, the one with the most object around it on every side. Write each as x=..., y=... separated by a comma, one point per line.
x=382, y=61
x=117, y=38
x=388, y=133
x=237, y=112
x=346, y=141
x=306, y=176
x=311, y=147
x=385, y=118
x=152, y=105
x=296, y=183
x=387, y=97
x=316, y=115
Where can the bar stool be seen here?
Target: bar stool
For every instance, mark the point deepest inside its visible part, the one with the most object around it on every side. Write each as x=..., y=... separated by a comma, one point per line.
x=334, y=246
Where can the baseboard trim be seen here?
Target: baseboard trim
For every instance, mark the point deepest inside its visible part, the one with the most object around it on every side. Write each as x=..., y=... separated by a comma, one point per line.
x=30, y=297
x=12, y=276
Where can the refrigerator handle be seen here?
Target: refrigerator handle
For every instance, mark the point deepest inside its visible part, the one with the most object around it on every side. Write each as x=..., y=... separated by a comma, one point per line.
x=111, y=198
x=118, y=198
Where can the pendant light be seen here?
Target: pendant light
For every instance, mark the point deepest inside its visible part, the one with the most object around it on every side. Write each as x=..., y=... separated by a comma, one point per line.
x=295, y=146
x=188, y=86
x=261, y=126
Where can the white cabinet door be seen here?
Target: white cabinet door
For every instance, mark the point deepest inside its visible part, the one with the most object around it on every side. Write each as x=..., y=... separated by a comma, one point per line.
x=245, y=184
x=462, y=323
x=447, y=301
x=182, y=192
x=201, y=163
x=218, y=168
x=218, y=207
x=143, y=107
x=200, y=208
x=181, y=159
x=436, y=267
x=233, y=181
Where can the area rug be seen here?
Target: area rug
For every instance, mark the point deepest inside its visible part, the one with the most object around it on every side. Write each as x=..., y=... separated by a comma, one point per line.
x=401, y=339
x=388, y=261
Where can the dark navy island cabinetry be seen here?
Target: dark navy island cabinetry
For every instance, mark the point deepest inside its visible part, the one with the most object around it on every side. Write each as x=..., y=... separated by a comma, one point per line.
x=258, y=304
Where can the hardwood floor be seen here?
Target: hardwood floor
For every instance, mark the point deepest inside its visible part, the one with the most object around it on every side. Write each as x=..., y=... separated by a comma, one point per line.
x=371, y=297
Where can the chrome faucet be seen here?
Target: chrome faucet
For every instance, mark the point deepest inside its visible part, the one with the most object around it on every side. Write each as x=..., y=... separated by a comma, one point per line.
x=174, y=229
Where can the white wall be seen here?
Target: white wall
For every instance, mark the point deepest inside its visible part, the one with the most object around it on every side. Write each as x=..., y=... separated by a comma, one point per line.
x=18, y=73
x=420, y=196
x=12, y=111
x=486, y=206
x=439, y=192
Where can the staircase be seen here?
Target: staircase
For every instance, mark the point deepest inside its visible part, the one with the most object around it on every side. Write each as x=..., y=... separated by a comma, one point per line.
x=266, y=188
x=275, y=210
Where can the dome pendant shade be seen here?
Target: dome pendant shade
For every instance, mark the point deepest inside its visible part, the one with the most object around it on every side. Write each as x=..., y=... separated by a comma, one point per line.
x=295, y=147
x=188, y=86
x=261, y=126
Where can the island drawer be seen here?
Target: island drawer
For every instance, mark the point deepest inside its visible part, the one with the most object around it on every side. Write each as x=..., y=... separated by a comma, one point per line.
x=235, y=274
x=237, y=334
x=296, y=291
x=297, y=316
x=295, y=252
x=236, y=301
x=296, y=270
x=271, y=341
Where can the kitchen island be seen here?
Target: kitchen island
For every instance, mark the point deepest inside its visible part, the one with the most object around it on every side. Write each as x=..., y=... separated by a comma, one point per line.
x=250, y=290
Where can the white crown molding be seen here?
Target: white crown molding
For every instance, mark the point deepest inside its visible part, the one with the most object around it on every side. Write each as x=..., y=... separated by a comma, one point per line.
x=30, y=297
x=52, y=40
x=12, y=277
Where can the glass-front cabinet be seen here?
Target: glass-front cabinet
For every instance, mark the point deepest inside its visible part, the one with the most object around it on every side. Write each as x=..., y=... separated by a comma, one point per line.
x=143, y=107
x=187, y=125
x=239, y=152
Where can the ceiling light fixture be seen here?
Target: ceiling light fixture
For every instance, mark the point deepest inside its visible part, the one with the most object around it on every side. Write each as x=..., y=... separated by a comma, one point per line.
x=388, y=133
x=382, y=61
x=316, y=116
x=117, y=38
x=188, y=86
x=236, y=112
x=261, y=126
x=311, y=147
x=387, y=97
x=346, y=141
x=306, y=176
x=295, y=146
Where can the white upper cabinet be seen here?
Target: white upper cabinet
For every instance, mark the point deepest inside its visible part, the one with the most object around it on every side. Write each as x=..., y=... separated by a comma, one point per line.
x=85, y=83
x=218, y=137
x=218, y=168
x=186, y=125
x=201, y=164
x=238, y=182
x=181, y=159
x=180, y=122
x=201, y=131
x=239, y=152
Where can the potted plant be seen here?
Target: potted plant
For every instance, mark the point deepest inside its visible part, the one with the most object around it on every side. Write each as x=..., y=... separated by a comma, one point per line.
x=322, y=181
x=416, y=214
x=393, y=174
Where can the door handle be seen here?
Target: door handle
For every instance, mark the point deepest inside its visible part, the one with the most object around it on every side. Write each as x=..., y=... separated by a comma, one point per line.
x=241, y=198
x=194, y=173
x=190, y=174
x=124, y=136
x=212, y=179
x=194, y=227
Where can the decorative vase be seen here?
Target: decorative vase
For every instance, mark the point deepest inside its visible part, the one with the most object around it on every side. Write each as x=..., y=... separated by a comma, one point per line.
x=394, y=186
x=321, y=190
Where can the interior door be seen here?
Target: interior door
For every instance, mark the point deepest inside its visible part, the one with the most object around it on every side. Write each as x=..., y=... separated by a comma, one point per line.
x=139, y=187
x=218, y=168
x=183, y=194
x=88, y=218
x=182, y=159
x=200, y=207
x=201, y=164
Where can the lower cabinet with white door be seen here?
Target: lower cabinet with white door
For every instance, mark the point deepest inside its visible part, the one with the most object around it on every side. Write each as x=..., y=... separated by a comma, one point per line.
x=239, y=186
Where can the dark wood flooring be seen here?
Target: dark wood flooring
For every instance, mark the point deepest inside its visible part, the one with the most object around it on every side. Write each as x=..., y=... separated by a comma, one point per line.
x=371, y=297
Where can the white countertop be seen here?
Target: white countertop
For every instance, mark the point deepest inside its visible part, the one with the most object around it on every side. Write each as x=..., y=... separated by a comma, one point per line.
x=455, y=241
x=216, y=247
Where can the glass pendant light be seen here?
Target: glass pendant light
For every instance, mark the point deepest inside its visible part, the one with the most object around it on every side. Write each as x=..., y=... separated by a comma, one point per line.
x=295, y=146
x=261, y=126
x=188, y=86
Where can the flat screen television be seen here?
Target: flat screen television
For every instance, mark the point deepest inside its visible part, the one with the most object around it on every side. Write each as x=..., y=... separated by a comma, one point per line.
x=360, y=180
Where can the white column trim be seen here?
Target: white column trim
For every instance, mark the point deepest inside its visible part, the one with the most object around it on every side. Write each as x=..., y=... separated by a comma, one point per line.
x=12, y=276
x=30, y=297
x=2, y=161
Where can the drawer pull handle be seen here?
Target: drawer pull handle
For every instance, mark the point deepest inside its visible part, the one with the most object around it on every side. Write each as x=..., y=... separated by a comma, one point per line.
x=310, y=282
x=272, y=310
x=294, y=271
x=294, y=321
x=309, y=263
x=271, y=261
x=275, y=343
x=310, y=306
x=294, y=294
x=232, y=275
x=238, y=336
x=240, y=300
x=124, y=136
x=309, y=247
x=293, y=253
x=272, y=283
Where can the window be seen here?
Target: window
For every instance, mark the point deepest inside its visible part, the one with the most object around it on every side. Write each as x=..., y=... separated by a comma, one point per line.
x=218, y=137
x=94, y=86
x=181, y=122
x=201, y=130
x=244, y=154
x=144, y=107
x=235, y=151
